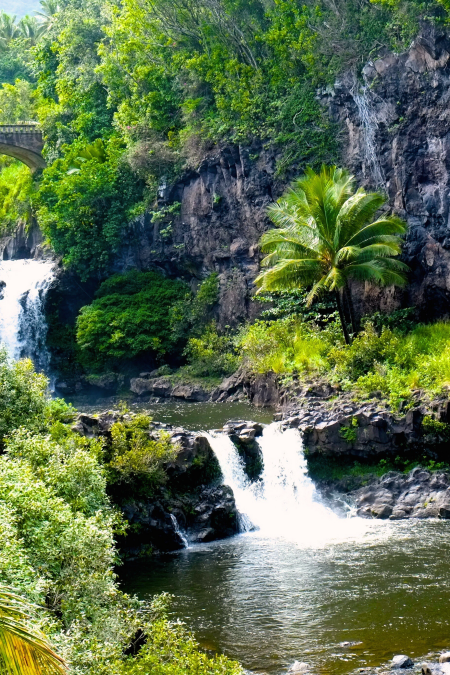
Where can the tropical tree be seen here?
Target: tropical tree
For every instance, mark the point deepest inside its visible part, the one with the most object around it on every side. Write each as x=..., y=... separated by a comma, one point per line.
x=326, y=235
x=9, y=29
x=23, y=651
x=47, y=16
x=30, y=29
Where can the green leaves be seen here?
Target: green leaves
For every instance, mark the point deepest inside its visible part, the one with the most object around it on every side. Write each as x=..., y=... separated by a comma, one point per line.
x=23, y=650
x=326, y=237
x=130, y=317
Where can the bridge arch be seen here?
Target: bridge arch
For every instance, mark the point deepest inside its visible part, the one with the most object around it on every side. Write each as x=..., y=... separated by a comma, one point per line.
x=23, y=142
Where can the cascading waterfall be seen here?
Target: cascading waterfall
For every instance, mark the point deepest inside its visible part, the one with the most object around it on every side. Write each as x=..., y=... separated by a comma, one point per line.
x=369, y=124
x=23, y=329
x=284, y=502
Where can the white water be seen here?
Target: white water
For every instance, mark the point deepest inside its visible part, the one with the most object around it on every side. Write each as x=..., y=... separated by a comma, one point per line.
x=179, y=531
x=284, y=502
x=369, y=124
x=23, y=329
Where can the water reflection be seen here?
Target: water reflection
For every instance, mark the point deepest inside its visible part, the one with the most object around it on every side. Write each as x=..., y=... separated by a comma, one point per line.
x=268, y=602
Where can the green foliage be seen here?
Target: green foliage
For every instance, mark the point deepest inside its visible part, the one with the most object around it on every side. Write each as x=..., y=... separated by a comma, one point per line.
x=287, y=345
x=350, y=433
x=391, y=365
x=435, y=428
x=326, y=235
x=294, y=303
x=23, y=396
x=130, y=317
x=16, y=191
x=137, y=458
x=400, y=320
x=83, y=213
x=16, y=102
x=210, y=354
x=57, y=529
x=191, y=315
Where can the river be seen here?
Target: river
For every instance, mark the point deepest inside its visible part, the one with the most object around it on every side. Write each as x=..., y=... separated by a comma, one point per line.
x=308, y=580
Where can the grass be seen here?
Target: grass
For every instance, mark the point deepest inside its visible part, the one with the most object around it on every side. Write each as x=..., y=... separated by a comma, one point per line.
x=387, y=364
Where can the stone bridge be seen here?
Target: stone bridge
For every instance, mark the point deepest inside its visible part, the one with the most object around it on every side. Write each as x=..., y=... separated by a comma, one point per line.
x=24, y=142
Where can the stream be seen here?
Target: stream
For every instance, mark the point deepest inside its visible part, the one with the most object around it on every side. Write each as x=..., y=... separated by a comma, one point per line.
x=301, y=581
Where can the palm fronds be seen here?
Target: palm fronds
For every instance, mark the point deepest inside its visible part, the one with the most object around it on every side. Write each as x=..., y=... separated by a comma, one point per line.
x=23, y=650
x=325, y=235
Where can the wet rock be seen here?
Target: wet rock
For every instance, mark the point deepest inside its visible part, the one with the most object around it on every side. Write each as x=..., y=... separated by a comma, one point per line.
x=401, y=661
x=426, y=670
x=190, y=392
x=244, y=434
x=444, y=658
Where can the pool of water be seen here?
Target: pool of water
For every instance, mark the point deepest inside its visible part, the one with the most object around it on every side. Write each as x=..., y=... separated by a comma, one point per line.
x=194, y=416
x=268, y=601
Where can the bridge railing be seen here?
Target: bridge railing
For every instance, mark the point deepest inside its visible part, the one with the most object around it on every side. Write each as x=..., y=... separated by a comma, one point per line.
x=20, y=128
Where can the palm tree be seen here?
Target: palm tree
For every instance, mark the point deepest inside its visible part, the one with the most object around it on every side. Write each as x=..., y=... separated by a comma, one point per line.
x=30, y=29
x=8, y=29
x=23, y=651
x=47, y=16
x=325, y=235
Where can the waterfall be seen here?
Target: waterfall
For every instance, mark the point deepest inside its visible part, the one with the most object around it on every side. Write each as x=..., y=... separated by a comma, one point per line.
x=369, y=125
x=179, y=531
x=284, y=502
x=23, y=330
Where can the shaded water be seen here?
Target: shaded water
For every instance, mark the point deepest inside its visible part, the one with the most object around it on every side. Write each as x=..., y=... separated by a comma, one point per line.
x=268, y=601
x=192, y=416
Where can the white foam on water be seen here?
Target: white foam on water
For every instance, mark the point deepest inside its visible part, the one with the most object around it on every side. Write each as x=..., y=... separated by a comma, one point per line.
x=284, y=503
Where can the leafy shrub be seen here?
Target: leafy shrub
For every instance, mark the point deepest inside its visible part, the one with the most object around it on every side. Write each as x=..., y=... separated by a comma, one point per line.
x=211, y=354
x=83, y=213
x=191, y=315
x=23, y=396
x=435, y=428
x=130, y=317
x=366, y=349
x=350, y=433
x=286, y=345
x=16, y=189
x=137, y=458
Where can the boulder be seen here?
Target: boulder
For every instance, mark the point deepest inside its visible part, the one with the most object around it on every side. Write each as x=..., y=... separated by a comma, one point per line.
x=444, y=658
x=401, y=661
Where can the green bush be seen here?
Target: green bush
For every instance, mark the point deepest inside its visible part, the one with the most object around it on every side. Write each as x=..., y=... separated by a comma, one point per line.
x=286, y=346
x=23, y=396
x=130, y=317
x=136, y=459
x=211, y=354
x=57, y=531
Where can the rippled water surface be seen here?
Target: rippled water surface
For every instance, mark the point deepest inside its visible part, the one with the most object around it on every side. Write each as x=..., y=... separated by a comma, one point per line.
x=267, y=601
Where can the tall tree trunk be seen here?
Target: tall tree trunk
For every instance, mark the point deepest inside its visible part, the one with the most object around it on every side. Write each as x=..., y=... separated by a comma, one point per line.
x=351, y=308
x=342, y=317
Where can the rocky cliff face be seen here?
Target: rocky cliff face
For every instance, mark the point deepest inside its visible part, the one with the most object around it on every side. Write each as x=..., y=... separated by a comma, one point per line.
x=396, y=137
x=397, y=127
x=222, y=216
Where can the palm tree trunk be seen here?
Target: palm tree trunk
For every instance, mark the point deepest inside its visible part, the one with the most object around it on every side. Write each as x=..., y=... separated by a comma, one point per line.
x=342, y=317
x=351, y=309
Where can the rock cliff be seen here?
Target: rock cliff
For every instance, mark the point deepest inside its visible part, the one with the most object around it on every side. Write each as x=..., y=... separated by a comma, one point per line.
x=221, y=218
x=397, y=138
x=395, y=125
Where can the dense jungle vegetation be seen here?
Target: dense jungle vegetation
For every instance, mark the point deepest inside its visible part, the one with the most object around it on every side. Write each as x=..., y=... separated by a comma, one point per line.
x=57, y=531
x=131, y=94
